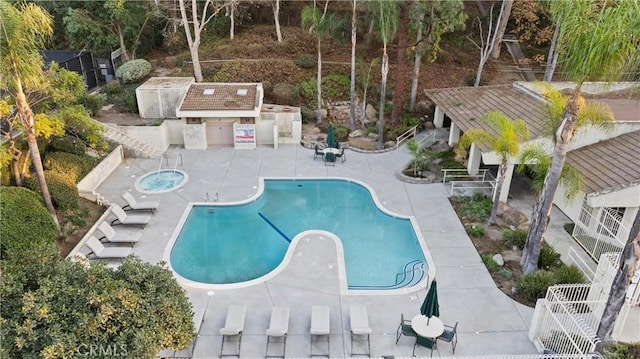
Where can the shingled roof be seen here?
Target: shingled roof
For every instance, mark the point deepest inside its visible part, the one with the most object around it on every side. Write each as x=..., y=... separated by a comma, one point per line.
x=220, y=97
x=609, y=164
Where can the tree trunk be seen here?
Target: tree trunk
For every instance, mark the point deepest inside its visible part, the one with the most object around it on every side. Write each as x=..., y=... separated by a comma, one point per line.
x=416, y=70
x=479, y=72
x=502, y=171
x=544, y=203
x=195, y=58
x=276, y=17
x=502, y=26
x=401, y=66
x=193, y=42
x=383, y=90
x=123, y=46
x=354, y=38
x=15, y=168
x=552, y=57
x=319, y=86
x=232, y=14
x=626, y=267
x=28, y=122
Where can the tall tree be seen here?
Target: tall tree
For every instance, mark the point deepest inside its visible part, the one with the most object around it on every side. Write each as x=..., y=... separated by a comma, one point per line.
x=502, y=27
x=386, y=21
x=25, y=29
x=275, y=5
x=401, y=66
x=432, y=19
x=626, y=268
x=352, y=88
x=487, y=44
x=198, y=22
x=505, y=140
x=598, y=41
x=315, y=21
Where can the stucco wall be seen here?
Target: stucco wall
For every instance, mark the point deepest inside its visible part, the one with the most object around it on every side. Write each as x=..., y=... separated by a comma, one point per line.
x=93, y=179
x=156, y=136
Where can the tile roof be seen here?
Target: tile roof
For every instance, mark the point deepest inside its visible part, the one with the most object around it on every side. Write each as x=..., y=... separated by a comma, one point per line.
x=223, y=97
x=609, y=164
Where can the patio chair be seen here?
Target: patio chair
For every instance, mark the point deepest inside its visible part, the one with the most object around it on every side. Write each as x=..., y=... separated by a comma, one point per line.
x=132, y=204
x=109, y=234
x=359, y=320
x=233, y=327
x=426, y=343
x=278, y=328
x=404, y=329
x=450, y=335
x=128, y=219
x=320, y=326
x=341, y=155
x=99, y=251
x=318, y=153
x=330, y=157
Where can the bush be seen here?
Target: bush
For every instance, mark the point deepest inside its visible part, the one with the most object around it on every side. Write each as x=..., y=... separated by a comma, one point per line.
x=491, y=264
x=94, y=103
x=335, y=87
x=619, y=350
x=62, y=162
x=341, y=133
x=130, y=101
x=549, y=258
x=133, y=71
x=285, y=93
x=534, y=285
x=62, y=188
x=27, y=226
x=68, y=144
x=306, y=62
x=568, y=227
x=475, y=231
x=569, y=275
x=112, y=88
x=516, y=238
x=475, y=208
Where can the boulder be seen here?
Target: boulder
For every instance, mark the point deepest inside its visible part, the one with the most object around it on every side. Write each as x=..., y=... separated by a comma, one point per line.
x=355, y=134
x=371, y=114
x=513, y=217
x=373, y=136
x=498, y=259
x=501, y=208
x=389, y=144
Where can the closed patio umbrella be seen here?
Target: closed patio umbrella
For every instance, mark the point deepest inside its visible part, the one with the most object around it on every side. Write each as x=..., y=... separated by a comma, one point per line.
x=331, y=137
x=430, y=306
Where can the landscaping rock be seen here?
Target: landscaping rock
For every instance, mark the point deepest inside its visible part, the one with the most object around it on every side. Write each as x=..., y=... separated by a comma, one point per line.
x=505, y=273
x=389, y=144
x=355, y=134
x=371, y=114
x=373, y=136
x=498, y=259
x=513, y=217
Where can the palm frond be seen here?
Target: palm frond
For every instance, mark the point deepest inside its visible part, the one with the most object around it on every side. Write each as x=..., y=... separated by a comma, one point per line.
x=571, y=180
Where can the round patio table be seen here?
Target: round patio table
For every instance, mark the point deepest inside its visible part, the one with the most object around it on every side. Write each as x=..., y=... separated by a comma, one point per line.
x=427, y=327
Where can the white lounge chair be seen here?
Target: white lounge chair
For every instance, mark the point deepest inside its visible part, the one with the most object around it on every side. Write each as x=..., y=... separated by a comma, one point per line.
x=278, y=328
x=359, y=320
x=320, y=326
x=117, y=237
x=139, y=206
x=128, y=219
x=99, y=251
x=233, y=326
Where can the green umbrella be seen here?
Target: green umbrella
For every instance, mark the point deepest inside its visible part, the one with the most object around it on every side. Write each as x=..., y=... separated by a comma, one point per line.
x=331, y=137
x=430, y=306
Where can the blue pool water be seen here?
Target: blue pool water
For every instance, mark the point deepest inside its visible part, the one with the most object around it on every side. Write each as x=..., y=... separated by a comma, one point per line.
x=161, y=181
x=228, y=244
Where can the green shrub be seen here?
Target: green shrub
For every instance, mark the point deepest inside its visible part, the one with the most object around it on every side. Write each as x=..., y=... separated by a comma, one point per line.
x=475, y=208
x=516, y=238
x=569, y=275
x=342, y=133
x=27, y=226
x=68, y=144
x=549, y=258
x=112, y=88
x=475, y=231
x=62, y=188
x=534, y=285
x=308, y=91
x=335, y=87
x=94, y=103
x=285, y=93
x=372, y=129
x=133, y=71
x=619, y=350
x=130, y=101
x=308, y=115
x=306, y=62
x=568, y=227
x=490, y=263
x=409, y=121
x=62, y=162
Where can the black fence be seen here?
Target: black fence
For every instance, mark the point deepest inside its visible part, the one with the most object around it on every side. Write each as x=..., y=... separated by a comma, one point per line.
x=83, y=63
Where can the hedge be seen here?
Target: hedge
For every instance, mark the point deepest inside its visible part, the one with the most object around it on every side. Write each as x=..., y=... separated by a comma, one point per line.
x=133, y=71
x=62, y=188
x=27, y=226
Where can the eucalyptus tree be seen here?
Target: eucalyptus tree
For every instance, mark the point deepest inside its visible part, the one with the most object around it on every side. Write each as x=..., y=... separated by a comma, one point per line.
x=315, y=21
x=597, y=41
x=352, y=87
x=25, y=29
x=275, y=6
x=198, y=18
x=385, y=15
x=488, y=41
x=504, y=139
x=501, y=27
x=432, y=19
x=401, y=65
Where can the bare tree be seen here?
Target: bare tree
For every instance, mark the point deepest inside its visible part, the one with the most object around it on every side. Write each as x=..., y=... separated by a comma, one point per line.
x=486, y=45
x=502, y=26
x=275, y=5
x=552, y=57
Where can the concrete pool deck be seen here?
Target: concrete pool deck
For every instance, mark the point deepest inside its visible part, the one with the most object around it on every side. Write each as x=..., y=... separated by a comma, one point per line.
x=489, y=321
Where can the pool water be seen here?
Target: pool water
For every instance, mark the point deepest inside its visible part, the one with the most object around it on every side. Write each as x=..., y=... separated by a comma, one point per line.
x=161, y=181
x=228, y=244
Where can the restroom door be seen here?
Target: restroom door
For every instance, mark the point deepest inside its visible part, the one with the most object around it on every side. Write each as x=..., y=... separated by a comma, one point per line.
x=219, y=133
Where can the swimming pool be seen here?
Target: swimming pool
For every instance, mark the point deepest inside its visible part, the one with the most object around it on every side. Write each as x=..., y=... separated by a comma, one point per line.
x=221, y=244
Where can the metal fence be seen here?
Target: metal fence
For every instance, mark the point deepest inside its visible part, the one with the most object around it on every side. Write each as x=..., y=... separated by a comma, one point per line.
x=599, y=231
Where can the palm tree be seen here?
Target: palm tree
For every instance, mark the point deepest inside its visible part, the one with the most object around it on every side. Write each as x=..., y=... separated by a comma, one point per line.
x=505, y=141
x=315, y=22
x=25, y=29
x=386, y=21
x=597, y=41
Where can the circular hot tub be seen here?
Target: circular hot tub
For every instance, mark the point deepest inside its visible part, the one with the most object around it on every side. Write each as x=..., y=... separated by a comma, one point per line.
x=161, y=181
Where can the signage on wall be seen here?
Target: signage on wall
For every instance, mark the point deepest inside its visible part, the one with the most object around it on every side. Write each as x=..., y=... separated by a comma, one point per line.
x=244, y=133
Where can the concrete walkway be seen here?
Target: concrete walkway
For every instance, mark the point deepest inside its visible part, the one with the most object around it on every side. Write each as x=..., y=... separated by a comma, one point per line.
x=489, y=321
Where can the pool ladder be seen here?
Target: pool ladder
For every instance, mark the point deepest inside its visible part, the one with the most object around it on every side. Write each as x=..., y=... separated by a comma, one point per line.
x=165, y=158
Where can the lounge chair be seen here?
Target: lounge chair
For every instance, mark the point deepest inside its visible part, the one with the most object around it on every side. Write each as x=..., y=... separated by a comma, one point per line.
x=128, y=219
x=112, y=236
x=99, y=251
x=359, y=320
x=233, y=327
x=132, y=204
x=320, y=326
x=450, y=335
x=404, y=329
x=278, y=328
x=330, y=157
x=425, y=342
x=318, y=153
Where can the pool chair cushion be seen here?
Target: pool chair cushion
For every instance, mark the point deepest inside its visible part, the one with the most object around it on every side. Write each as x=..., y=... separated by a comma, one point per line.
x=111, y=235
x=128, y=219
x=234, y=323
x=102, y=252
x=359, y=320
x=138, y=206
x=279, y=324
x=320, y=320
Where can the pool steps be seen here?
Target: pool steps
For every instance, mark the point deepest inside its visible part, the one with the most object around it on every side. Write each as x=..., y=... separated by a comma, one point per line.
x=408, y=275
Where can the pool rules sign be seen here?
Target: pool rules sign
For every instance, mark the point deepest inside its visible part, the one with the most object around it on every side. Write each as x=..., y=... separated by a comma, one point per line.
x=244, y=136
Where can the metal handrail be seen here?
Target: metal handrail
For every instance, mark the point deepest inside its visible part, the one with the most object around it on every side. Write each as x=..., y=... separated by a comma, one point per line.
x=410, y=132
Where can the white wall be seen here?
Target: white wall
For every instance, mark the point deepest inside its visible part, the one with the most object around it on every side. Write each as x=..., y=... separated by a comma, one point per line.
x=93, y=179
x=625, y=197
x=572, y=207
x=174, y=131
x=589, y=134
x=156, y=136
